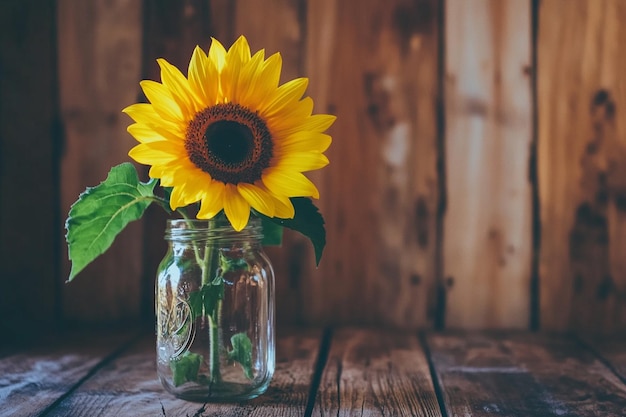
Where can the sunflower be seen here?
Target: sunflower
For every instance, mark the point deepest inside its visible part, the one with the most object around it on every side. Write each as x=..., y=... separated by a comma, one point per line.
x=229, y=136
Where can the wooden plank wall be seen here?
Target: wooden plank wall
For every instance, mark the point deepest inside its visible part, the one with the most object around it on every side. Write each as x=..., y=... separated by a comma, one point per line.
x=487, y=225
x=581, y=99
x=99, y=52
x=477, y=169
x=29, y=147
x=381, y=78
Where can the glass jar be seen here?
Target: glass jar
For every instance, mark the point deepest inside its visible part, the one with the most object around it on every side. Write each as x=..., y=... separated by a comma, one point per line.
x=215, y=312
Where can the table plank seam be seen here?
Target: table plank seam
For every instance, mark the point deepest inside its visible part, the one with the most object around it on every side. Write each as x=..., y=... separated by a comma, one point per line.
x=598, y=355
x=338, y=385
x=318, y=370
x=433, y=374
x=93, y=371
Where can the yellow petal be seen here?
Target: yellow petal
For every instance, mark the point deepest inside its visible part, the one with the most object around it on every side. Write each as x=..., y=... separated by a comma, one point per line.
x=139, y=111
x=196, y=186
x=259, y=199
x=181, y=196
x=167, y=172
x=302, y=161
x=237, y=56
x=290, y=119
x=212, y=201
x=161, y=100
x=196, y=72
x=168, y=134
x=178, y=87
x=156, y=171
x=264, y=83
x=247, y=78
x=314, y=123
x=174, y=198
x=283, y=208
x=270, y=70
x=143, y=133
x=289, y=184
x=240, y=51
x=189, y=186
x=155, y=153
x=178, y=171
x=144, y=113
x=203, y=77
x=286, y=95
x=319, y=122
x=303, y=142
x=217, y=54
x=236, y=208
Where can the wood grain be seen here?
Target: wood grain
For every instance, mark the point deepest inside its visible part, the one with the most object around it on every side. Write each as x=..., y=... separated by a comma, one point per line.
x=376, y=373
x=488, y=131
x=582, y=163
x=33, y=379
x=29, y=152
x=523, y=375
x=368, y=372
x=375, y=65
x=129, y=386
x=99, y=54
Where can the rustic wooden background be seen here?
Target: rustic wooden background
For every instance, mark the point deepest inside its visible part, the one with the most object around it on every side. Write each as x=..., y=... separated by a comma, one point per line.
x=478, y=169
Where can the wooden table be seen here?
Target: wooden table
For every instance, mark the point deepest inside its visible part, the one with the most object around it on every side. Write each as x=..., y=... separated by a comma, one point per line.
x=336, y=372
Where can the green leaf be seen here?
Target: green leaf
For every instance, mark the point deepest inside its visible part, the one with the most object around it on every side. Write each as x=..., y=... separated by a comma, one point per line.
x=102, y=212
x=204, y=301
x=167, y=194
x=272, y=232
x=185, y=368
x=232, y=264
x=242, y=353
x=308, y=221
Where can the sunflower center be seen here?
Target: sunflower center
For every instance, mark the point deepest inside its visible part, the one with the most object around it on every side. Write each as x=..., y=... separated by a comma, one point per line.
x=229, y=142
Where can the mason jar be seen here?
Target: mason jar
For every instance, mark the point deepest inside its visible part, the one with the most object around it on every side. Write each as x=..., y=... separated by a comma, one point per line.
x=215, y=312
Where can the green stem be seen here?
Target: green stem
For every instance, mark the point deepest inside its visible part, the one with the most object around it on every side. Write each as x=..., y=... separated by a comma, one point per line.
x=214, y=316
x=206, y=266
x=195, y=249
x=215, y=349
x=165, y=204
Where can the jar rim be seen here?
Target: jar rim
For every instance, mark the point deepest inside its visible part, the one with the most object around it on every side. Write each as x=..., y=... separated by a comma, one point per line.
x=211, y=229
x=215, y=221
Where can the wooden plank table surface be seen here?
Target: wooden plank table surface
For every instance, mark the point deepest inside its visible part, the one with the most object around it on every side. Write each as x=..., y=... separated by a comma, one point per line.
x=333, y=372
